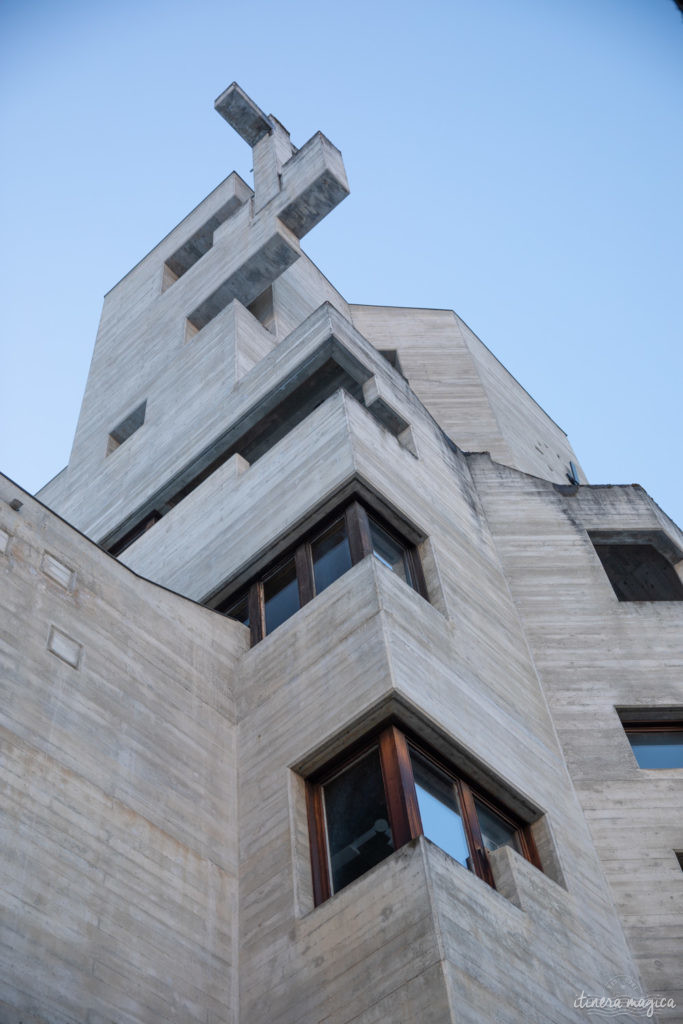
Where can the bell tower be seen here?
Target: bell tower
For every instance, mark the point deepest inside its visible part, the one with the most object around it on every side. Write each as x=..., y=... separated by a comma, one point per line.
x=348, y=699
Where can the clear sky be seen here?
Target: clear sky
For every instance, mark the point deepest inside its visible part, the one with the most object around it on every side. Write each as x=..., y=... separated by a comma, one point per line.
x=519, y=162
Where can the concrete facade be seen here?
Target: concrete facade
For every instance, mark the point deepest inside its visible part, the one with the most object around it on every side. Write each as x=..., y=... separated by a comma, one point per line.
x=156, y=845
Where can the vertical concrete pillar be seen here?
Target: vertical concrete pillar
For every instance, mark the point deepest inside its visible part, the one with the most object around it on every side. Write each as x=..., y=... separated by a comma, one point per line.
x=270, y=153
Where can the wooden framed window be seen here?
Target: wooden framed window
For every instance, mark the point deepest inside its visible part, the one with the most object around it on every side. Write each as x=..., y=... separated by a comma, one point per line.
x=390, y=789
x=326, y=553
x=656, y=744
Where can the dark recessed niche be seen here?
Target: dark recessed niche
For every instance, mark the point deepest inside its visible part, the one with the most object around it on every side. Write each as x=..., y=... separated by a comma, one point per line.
x=263, y=309
x=639, y=572
x=126, y=427
x=391, y=356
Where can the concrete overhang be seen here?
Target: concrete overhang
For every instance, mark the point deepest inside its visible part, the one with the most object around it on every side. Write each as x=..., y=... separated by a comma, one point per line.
x=321, y=356
x=263, y=265
x=658, y=539
x=316, y=463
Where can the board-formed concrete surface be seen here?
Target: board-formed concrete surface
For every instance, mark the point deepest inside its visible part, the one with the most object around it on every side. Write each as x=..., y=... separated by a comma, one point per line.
x=119, y=826
x=156, y=853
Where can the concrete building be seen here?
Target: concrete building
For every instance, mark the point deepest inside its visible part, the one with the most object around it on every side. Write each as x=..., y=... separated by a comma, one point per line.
x=332, y=691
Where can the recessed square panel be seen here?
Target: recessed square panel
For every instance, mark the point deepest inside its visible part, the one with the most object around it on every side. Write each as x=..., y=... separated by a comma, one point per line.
x=57, y=571
x=64, y=647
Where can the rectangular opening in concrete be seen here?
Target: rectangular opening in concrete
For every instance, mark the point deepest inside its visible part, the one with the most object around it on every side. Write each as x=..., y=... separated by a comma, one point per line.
x=126, y=428
x=638, y=571
x=264, y=311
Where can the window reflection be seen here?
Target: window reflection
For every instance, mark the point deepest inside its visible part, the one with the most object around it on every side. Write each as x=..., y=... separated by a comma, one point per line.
x=331, y=555
x=280, y=595
x=389, y=551
x=317, y=561
x=358, y=831
x=658, y=749
x=495, y=830
x=351, y=830
x=439, y=806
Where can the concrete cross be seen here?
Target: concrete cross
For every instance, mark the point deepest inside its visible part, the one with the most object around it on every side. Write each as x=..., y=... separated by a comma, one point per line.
x=267, y=137
x=293, y=190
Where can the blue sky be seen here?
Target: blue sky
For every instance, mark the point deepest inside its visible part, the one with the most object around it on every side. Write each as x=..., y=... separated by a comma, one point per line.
x=517, y=162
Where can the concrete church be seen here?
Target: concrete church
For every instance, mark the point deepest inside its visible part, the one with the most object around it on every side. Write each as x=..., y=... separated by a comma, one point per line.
x=332, y=691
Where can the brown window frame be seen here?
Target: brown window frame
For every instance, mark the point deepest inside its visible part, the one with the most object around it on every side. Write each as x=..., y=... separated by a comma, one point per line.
x=393, y=743
x=357, y=521
x=654, y=726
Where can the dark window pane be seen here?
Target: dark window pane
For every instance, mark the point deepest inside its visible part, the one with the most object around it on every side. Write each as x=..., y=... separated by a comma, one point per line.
x=495, y=830
x=331, y=555
x=389, y=551
x=358, y=832
x=238, y=610
x=658, y=749
x=439, y=808
x=281, y=595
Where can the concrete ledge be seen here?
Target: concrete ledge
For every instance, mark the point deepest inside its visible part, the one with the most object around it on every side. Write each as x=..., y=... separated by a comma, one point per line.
x=260, y=269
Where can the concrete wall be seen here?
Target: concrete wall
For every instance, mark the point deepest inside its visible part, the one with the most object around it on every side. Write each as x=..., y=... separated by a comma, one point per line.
x=373, y=951
x=471, y=395
x=594, y=654
x=458, y=669
x=119, y=832
x=145, y=350
x=416, y=938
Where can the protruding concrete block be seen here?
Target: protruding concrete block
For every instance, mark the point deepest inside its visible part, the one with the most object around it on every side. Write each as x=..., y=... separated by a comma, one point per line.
x=252, y=277
x=237, y=465
x=316, y=180
x=371, y=391
x=270, y=155
x=407, y=440
x=242, y=114
x=381, y=409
